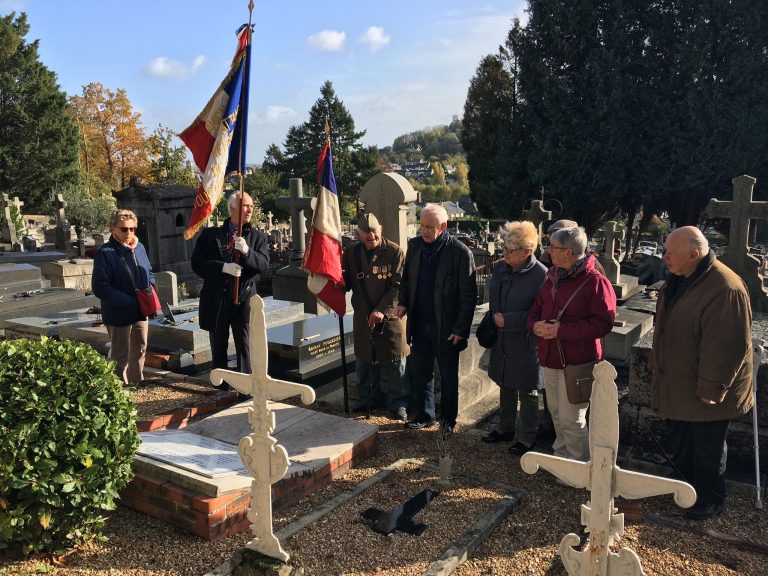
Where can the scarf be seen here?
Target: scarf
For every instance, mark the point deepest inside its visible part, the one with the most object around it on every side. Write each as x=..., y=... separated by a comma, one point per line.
x=562, y=274
x=429, y=251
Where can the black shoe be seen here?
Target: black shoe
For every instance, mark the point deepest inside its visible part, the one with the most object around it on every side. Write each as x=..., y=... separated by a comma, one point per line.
x=518, y=449
x=400, y=414
x=703, y=511
x=418, y=424
x=495, y=436
x=446, y=431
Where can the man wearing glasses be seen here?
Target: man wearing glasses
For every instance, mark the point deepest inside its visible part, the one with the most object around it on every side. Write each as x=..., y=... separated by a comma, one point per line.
x=221, y=255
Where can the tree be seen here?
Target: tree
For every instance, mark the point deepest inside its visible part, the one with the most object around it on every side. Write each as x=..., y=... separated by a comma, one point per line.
x=264, y=187
x=353, y=164
x=85, y=212
x=113, y=145
x=168, y=163
x=438, y=173
x=38, y=140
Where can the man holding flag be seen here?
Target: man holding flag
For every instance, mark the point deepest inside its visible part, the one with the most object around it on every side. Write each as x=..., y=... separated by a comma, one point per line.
x=228, y=258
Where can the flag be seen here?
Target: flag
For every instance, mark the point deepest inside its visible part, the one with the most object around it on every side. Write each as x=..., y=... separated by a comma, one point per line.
x=322, y=258
x=217, y=137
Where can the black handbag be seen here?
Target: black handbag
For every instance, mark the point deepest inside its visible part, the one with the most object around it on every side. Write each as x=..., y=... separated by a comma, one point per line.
x=487, y=331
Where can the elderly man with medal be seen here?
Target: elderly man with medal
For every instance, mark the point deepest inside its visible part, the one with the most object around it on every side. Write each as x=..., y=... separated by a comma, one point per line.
x=372, y=269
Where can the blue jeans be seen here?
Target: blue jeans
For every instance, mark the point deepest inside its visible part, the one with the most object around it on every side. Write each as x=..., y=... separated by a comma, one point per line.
x=387, y=384
x=425, y=350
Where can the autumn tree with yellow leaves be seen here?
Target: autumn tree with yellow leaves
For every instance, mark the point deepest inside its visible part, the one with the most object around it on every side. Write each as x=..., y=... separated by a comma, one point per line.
x=113, y=144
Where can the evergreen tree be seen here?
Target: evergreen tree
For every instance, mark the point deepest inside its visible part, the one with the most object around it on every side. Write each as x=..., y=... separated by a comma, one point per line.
x=38, y=140
x=168, y=163
x=353, y=164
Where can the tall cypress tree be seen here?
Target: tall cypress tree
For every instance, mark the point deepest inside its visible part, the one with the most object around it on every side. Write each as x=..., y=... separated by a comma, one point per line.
x=38, y=139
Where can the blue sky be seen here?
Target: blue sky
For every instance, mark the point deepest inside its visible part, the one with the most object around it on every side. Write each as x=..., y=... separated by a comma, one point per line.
x=398, y=66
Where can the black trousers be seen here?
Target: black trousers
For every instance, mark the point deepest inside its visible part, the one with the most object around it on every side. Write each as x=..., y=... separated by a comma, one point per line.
x=425, y=350
x=236, y=317
x=699, y=451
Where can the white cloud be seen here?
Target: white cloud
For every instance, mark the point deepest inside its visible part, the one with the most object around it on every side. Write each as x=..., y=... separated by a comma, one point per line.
x=164, y=67
x=329, y=40
x=275, y=115
x=375, y=38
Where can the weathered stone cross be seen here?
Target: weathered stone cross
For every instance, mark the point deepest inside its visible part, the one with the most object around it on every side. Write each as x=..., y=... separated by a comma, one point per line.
x=537, y=214
x=297, y=203
x=605, y=480
x=610, y=263
x=740, y=211
x=264, y=458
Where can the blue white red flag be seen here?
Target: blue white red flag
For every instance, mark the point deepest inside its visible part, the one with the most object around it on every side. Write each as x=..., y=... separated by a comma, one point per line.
x=217, y=137
x=322, y=258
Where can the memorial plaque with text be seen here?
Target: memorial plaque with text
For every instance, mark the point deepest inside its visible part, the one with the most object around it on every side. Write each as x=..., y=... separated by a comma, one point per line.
x=199, y=454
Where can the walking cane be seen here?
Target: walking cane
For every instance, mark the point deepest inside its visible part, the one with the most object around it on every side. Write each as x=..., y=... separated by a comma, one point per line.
x=374, y=364
x=758, y=353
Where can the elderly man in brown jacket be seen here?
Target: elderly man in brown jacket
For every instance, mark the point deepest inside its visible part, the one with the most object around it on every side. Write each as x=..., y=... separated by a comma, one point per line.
x=373, y=269
x=701, y=363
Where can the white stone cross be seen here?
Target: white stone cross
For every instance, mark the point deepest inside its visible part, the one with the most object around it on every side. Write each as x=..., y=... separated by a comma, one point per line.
x=605, y=480
x=608, y=259
x=537, y=214
x=264, y=458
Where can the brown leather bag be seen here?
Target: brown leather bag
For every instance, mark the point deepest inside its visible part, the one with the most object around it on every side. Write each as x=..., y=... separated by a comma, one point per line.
x=578, y=377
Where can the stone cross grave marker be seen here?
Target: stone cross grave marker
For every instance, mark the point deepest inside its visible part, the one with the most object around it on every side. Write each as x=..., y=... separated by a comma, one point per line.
x=605, y=481
x=8, y=231
x=387, y=195
x=62, y=228
x=607, y=258
x=538, y=215
x=269, y=221
x=741, y=210
x=297, y=203
x=264, y=458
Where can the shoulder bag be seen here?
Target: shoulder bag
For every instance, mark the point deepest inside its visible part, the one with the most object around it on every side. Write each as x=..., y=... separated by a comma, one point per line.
x=149, y=303
x=487, y=331
x=578, y=377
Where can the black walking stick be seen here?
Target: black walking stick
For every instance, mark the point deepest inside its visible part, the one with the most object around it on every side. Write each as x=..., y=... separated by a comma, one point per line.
x=377, y=329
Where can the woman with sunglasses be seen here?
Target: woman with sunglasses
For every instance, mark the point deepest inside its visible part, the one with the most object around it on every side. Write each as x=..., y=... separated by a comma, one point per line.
x=119, y=267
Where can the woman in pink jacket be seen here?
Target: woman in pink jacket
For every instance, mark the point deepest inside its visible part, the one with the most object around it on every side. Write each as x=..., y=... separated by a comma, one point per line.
x=584, y=321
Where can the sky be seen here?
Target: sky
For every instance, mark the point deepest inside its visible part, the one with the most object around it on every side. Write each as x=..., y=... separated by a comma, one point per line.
x=398, y=66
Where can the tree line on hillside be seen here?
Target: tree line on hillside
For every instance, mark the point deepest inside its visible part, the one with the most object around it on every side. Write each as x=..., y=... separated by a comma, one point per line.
x=617, y=107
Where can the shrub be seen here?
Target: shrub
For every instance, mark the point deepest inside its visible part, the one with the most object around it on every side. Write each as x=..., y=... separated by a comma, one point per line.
x=67, y=440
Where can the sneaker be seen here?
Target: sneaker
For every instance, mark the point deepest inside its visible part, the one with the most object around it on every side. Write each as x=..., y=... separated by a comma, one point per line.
x=495, y=436
x=400, y=414
x=518, y=449
x=704, y=511
x=418, y=424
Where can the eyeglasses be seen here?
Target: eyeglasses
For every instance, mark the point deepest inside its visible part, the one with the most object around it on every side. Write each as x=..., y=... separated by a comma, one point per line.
x=126, y=229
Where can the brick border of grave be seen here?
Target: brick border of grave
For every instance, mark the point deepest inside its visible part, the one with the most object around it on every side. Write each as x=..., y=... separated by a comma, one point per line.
x=214, y=518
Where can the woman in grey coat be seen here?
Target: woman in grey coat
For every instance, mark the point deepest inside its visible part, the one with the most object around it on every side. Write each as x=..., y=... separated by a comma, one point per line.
x=514, y=364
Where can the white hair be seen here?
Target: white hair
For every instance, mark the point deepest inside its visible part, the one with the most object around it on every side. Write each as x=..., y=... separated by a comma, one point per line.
x=573, y=238
x=437, y=211
x=232, y=201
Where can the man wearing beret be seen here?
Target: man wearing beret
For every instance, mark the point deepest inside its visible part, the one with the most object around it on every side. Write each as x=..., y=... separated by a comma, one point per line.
x=373, y=269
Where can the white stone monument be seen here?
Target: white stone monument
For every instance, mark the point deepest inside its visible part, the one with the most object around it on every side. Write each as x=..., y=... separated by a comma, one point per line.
x=605, y=480
x=263, y=457
x=387, y=195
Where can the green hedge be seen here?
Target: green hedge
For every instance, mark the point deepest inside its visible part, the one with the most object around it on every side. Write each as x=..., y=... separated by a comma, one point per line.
x=67, y=441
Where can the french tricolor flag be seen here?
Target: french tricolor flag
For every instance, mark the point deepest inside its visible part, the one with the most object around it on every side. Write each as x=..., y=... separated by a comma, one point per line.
x=322, y=258
x=217, y=137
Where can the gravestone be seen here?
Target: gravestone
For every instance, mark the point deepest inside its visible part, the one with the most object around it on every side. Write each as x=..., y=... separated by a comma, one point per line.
x=387, y=195
x=8, y=229
x=740, y=211
x=538, y=215
x=163, y=214
x=269, y=221
x=605, y=480
x=167, y=287
x=290, y=282
x=63, y=233
x=75, y=274
x=623, y=285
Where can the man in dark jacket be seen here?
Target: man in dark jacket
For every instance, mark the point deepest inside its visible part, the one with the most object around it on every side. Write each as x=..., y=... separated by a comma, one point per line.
x=220, y=256
x=701, y=362
x=439, y=294
x=372, y=269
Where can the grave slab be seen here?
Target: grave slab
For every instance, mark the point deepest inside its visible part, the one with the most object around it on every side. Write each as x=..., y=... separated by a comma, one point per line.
x=47, y=301
x=75, y=274
x=628, y=328
x=31, y=257
x=321, y=448
x=48, y=325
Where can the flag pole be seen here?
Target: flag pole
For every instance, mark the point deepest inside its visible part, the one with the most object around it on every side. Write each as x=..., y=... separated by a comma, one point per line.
x=341, y=318
x=246, y=63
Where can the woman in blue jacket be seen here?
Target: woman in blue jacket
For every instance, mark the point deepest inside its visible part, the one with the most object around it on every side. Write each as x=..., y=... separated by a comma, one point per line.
x=119, y=265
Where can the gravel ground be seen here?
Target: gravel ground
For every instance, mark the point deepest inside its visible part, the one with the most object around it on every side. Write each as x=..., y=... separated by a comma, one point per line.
x=525, y=543
x=159, y=396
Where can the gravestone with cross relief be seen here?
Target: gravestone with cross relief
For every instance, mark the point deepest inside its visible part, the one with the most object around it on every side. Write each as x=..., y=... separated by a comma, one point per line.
x=290, y=283
x=62, y=227
x=740, y=211
x=7, y=228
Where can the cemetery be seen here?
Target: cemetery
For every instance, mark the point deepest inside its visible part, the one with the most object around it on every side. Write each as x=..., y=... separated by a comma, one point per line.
x=203, y=469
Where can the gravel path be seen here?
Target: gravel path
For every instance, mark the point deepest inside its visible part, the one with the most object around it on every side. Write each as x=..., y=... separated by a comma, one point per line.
x=525, y=543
